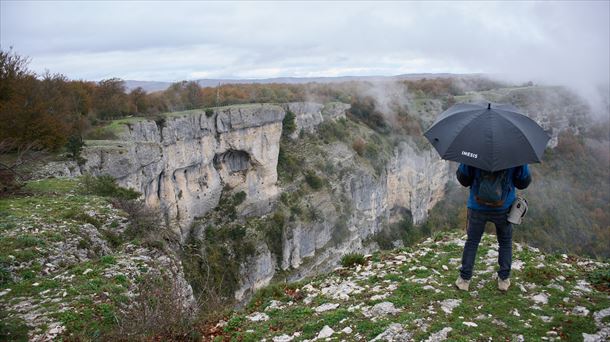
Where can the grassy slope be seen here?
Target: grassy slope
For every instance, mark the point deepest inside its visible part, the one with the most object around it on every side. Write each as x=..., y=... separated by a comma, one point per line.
x=424, y=265
x=54, y=272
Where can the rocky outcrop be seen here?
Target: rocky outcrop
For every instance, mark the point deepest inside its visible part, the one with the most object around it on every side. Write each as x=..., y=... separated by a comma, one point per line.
x=309, y=115
x=413, y=182
x=416, y=181
x=182, y=163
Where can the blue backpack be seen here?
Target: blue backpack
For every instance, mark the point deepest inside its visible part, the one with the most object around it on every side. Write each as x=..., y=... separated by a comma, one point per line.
x=493, y=188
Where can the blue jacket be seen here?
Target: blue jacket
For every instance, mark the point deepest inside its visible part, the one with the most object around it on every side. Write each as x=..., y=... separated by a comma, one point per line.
x=468, y=176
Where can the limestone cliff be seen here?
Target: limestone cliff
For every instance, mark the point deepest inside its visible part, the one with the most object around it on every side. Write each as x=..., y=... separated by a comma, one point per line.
x=181, y=163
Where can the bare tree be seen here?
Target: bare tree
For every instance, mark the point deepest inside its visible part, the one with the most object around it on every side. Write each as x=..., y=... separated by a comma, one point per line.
x=16, y=163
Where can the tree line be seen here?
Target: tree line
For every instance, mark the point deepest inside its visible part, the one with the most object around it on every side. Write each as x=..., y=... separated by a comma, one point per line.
x=49, y=109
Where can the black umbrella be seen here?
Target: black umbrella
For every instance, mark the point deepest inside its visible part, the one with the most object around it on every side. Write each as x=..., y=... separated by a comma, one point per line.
x=490, y=137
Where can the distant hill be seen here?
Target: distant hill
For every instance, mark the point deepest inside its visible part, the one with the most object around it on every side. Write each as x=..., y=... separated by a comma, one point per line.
x=151, y=86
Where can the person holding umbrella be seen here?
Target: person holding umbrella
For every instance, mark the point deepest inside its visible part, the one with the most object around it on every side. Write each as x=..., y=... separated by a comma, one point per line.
x=494, y=145
x=491, y=196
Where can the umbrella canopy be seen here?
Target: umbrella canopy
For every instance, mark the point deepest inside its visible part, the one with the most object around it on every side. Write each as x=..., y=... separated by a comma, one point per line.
x=490, y=137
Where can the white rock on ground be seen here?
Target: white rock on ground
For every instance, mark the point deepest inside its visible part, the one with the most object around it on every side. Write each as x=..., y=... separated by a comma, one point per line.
x=580, y=311
x=258, y=317
x=326, y=307
x=470, y=324
x=381, y=309
x=347, y=330
x=541, y=298
x=274, y=305
x=325, y=332
x=283, y=338
x=394, y=333
x=440, y=335
x=604, y=328
x=449, y=304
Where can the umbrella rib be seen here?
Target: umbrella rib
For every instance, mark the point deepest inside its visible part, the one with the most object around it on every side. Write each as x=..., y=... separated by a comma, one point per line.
x=531, y=146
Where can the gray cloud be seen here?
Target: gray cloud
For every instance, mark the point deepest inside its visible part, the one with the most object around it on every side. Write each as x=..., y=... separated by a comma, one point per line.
x=549, y=42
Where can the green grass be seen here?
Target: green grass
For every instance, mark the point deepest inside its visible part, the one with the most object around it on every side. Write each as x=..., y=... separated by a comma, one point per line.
x=492, y=310
x=33, y=227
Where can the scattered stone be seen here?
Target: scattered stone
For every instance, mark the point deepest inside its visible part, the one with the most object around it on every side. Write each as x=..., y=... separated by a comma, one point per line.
x=583, y=286
x=517, y=265
x=470, y=324
x=515, y=312
x=274, y=305
x=325, y=332
x=342, y=290
x=446, y=269
x=4, y=292
x=283, y=338
x=440, y=335
x=580, y=311
x=326, y=307
x=87, y=271
x=421, y=324
x=381, y=309
x=258, y=317
x=347, y=330
x=449, y=304
x=499, y=323
x=556, y=287
x=546, y=319
x=380, y=296
x=541, y=298
x=394, y=333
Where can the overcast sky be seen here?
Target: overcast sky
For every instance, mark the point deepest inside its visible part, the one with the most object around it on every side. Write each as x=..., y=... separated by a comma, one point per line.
x=169, y=41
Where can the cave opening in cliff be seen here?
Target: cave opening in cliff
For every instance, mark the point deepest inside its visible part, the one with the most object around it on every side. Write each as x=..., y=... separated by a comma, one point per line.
x=232, y=160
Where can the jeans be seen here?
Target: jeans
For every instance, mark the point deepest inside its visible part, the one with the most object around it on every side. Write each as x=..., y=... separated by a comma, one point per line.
x=504, y=234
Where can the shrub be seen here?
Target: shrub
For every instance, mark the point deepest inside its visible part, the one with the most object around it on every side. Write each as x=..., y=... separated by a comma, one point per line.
x=228, y=203
x=313, y=180
x=289, y=124
x=274, y=234
x=358, y=145
x=74, y=147
x=100, y=133
x=352, y=259
x=331, y=131
x=145, y=224
x=105, y=185
x=239, y=198
x=157, y=311
x=600, y=279
x=209, y=112
x=287, y=165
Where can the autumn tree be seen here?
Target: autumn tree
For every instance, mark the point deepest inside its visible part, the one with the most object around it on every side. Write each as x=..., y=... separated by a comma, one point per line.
x=110, y=100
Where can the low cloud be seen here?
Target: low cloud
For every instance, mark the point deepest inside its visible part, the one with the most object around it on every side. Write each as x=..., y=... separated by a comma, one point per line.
x=562, y=43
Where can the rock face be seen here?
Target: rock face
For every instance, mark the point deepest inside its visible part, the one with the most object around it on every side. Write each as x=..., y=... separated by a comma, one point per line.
x=416, y=181
x=413, y=182
x=181, y=163
x=308, y=115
